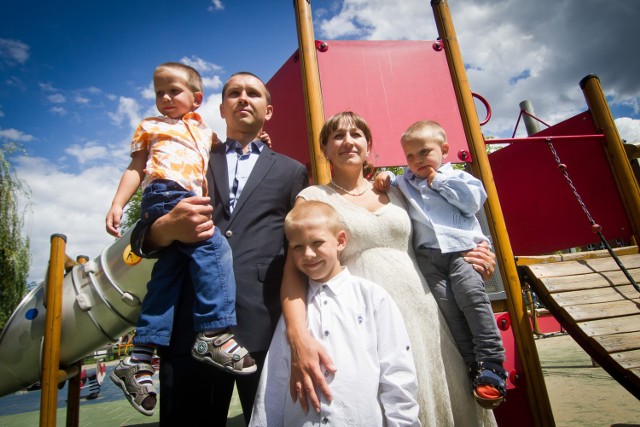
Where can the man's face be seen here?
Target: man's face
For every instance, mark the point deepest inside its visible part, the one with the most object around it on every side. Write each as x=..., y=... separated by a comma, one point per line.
x=245, y=107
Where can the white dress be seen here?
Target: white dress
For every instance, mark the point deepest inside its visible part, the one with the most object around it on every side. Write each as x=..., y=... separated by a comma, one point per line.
x=379, y=249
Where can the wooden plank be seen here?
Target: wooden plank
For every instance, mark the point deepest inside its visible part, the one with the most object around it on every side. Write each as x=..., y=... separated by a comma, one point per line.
x=568, y=268
x=628, y=359
x=533, y=259
x=619, y=342
x=598, y=295
x=583, y=313
x=625, y=324
x=590, y=281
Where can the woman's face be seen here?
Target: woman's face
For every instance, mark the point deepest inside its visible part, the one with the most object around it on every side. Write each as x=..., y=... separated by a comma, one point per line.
x=347, y=144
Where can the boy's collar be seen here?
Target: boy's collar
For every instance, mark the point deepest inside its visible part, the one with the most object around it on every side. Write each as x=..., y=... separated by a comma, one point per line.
x=335, y=283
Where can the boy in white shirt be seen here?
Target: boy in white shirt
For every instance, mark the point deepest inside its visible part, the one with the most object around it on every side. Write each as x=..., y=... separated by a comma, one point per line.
x=361, y=328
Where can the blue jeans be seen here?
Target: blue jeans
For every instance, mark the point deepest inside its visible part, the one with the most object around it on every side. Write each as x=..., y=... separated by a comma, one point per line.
x=460, y=294
x=209, y=263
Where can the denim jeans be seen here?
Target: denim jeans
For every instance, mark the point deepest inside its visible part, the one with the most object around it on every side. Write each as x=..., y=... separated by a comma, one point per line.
x=460, y=294
x=209, y=264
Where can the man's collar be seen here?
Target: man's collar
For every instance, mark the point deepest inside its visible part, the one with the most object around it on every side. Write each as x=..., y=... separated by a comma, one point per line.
x=256, y=146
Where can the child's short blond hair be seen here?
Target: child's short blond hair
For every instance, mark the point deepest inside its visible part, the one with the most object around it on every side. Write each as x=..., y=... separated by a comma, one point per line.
x=194, y=80
x=312, y=212
x=425, y=130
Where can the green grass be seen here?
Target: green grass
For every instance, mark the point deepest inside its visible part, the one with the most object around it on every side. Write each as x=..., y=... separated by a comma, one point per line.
x=110, y=414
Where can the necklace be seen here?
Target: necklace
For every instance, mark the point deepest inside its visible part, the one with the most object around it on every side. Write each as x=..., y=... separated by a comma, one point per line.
x=360, y=193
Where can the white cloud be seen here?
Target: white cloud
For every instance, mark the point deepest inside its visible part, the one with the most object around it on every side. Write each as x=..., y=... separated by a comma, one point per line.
x=56, y=98
x=629, y=129
x=71, y=204
x=13, y=52
x=212, y=82
x=129, y=110
x=210, y=112
x=148, y=92
x=58, y=111
x=96, y=153
x=215, y=5
x=202, y=66
x=14, y=135
x=47, y=87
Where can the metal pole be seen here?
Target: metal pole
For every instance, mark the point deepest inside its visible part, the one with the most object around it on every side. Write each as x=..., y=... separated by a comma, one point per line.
x=622, y=171
x=537, y=396
x=53, y=325
x=312, y=90
x=73, y=392
x=530, y=123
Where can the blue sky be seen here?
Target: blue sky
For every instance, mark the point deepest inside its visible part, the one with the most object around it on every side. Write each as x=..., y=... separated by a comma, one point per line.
x=76, y=76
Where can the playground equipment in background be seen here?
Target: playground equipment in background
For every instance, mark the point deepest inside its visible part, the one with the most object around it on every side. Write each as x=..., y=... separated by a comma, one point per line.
x=392, y=84
x=100, y=302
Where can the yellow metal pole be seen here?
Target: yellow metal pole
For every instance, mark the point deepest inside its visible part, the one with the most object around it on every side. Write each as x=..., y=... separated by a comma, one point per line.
x=537, y=396
x=53, y=326
x=622, y=170
x=312, y=90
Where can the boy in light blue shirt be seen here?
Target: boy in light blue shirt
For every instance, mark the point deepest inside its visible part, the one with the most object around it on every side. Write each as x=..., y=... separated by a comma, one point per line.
x=442, y=206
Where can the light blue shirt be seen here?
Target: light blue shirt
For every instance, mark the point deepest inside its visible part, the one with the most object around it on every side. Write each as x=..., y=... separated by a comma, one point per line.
x=443, y=214
x=239, y=166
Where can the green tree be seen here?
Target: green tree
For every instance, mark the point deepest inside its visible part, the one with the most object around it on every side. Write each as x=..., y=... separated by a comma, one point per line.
x=131, y=212
x=14, y=249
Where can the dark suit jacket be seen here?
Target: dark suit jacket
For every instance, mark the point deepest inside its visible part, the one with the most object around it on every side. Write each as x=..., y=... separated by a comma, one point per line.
x=255, y=231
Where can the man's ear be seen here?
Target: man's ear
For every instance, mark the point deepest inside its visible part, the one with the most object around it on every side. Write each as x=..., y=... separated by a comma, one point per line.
x=269, y=112
x=197, y=99
x=445, y=149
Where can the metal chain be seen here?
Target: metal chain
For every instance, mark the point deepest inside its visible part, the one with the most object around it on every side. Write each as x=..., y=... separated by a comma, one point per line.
x=596, y=228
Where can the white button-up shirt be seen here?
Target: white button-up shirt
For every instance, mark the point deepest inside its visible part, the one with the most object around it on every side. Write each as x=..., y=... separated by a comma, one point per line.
x=362, y=330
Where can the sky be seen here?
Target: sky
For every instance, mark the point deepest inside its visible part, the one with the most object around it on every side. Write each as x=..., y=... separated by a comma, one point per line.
x=77, y=77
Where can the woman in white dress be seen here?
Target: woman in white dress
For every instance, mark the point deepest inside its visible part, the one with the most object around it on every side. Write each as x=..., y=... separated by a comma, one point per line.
x=380, y=249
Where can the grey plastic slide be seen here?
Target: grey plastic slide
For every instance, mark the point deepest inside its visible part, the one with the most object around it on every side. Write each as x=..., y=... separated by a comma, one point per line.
x=100, y=302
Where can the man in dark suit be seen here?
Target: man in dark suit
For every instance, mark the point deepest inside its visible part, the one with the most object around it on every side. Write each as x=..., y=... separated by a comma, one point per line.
x=252, y=188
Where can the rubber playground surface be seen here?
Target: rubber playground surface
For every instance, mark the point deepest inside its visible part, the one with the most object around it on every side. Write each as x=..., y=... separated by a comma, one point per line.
x=581, y=395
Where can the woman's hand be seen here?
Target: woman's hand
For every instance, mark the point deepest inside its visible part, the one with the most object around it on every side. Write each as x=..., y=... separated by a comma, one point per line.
x=308, y=358
x=482, y=259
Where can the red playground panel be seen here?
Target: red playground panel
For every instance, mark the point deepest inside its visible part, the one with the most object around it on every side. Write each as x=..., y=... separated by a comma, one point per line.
x=541, y=212
x=392, y=84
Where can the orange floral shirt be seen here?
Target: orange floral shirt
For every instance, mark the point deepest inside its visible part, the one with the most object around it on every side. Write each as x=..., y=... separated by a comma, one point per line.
x=177, y=150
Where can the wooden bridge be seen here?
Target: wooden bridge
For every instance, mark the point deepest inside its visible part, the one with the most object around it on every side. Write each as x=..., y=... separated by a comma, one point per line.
x=596, y=304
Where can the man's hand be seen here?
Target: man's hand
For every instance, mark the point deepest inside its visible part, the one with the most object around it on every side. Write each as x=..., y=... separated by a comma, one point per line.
x=482, y=259
x=308, y=358
x=188, y=222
